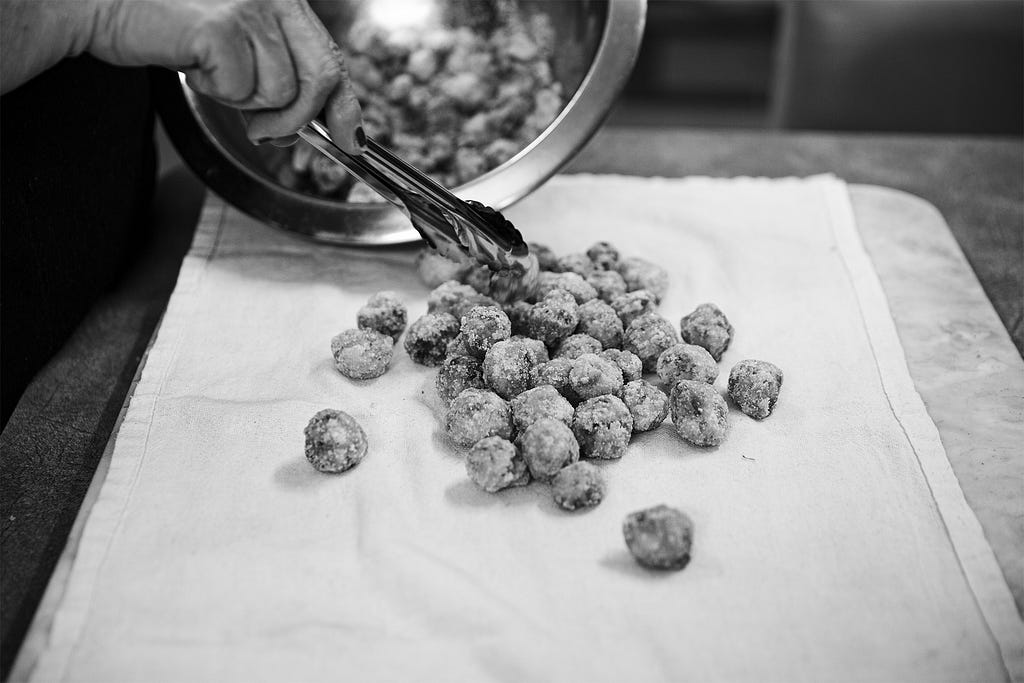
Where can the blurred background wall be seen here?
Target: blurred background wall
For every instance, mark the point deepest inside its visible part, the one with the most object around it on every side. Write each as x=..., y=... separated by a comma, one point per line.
x=925, y=66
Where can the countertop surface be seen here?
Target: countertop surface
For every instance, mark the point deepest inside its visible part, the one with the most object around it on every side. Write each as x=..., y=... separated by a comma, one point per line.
x=57, y=434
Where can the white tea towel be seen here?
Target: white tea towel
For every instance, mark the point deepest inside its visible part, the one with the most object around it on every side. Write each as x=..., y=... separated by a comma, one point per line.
x=832, y=541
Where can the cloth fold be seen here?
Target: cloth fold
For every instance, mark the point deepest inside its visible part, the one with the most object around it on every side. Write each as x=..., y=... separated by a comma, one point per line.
x=832, y=541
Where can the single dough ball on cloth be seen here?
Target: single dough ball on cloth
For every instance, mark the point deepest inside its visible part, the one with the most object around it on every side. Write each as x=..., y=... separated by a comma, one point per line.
x=547, y=446
x=553, y=318
x=699, y=413
x=457, y=374
x=648, y=336
x=640, y=273
x=435, y=269
x=592, y=376
x=602, y=427
x=659, y=537
x=384, y=312
x=426, y=342
x=754, y=386
x=494, y=463
x=647, y=404
x=632, y=305
x=540, y=402
x=362, y=354
x=579, y=485
x=476, y=414
x=482, y=326
x=608, y=283
x=686, y=361
x=600, y=321
x=627, y=361
x=708, y=328
x=575, y=345
x=334, y=441
x=508, y=368
x=604, y=255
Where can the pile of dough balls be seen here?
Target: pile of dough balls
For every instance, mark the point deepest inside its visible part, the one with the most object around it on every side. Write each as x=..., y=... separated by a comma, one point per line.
x=547, y=387
x=455, y=98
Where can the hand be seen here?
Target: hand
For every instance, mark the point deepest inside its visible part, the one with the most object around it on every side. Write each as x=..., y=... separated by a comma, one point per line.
x=272, y=59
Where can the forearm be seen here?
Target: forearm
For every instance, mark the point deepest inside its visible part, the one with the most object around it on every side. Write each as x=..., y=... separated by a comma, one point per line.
x=36, y=34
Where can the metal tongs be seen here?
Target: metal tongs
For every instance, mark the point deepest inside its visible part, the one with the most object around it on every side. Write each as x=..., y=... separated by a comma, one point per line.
x=448, y=224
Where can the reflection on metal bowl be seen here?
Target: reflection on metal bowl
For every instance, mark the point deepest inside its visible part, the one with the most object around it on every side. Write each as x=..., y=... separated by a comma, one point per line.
x=596, y=45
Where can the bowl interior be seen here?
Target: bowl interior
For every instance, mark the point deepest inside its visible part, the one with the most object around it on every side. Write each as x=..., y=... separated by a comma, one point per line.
x=578, y=26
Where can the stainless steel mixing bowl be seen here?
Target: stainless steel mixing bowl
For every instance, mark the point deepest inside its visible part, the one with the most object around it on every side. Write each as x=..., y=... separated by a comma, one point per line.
x=597, y=40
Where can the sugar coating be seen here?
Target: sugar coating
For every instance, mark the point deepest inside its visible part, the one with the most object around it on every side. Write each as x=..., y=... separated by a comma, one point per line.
x=600, y=321
x=494, y=463
x=479, y=278
x=334, y=441
x=647, y=404
x=575, y=345
x=627, y=361
x=538, y=352
x=546, y=259
x=659, y=537
x=602, y=426
x=553, y=318
x=686, y=361
x=482, y=326
x=426, y=342
x=435, y=269
x=508, y=368
x=707, y=327
x=592, y=376
x=754, y=386
x=578, y=263
x=362, y=354
x=547, y=446
x=385, y=313
x=580, y=289
x=648, y=336
x=579, y=485
x=543, y=401
x=556, y=373
x=517, y=313
x=457, y=374
x=632, y=305
x=640, y=273
x=456, y=298
x=699, y=413
x=608, y=283
x=476, y=414
x=457, y=347
x=604, y=255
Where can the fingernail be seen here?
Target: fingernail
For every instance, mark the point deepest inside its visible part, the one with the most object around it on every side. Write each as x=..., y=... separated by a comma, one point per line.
x=360, y=137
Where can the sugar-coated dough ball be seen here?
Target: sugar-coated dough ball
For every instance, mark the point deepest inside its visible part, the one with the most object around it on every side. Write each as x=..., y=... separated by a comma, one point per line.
x=575, y=345
x=707, y=327
x=604, y=255
x=686, y=361
x=482, y=326
x=435, y=269
x=648, y=336
x=334, y=441
x=548, y=446
x=627, y=361
x=428, y=338
x=754, y=386
x=508, y=368
x=699, y=413
x=362, y=354
x=647, y=404
x=602, y=426
x=639, y=273
x=600, y=321
x=476, y=414
x=632, y=305
x=579, y=485
x=494, y=463
x=659, y=537
x=540, y=402
x=593, y=376
x=385, y=313
x=457, y=374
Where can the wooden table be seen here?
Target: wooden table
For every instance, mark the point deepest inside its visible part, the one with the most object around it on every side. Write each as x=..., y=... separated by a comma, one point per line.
x=53, y=442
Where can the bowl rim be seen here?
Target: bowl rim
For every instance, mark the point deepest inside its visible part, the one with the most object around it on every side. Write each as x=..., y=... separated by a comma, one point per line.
x=370, y=224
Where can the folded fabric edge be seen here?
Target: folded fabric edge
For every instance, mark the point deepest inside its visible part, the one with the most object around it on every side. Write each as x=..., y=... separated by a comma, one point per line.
x=974, y=554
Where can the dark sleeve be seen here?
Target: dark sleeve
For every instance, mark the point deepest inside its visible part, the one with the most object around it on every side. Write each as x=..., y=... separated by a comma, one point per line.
x=77, y=168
